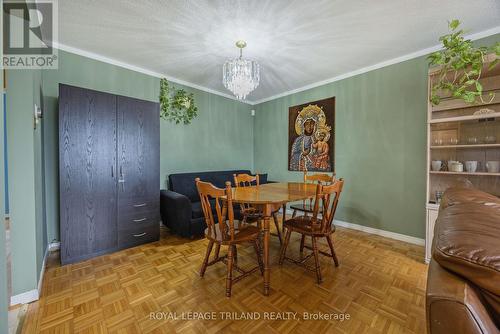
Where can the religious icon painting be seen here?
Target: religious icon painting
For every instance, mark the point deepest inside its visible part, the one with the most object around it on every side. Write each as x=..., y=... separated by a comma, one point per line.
x=311, y=136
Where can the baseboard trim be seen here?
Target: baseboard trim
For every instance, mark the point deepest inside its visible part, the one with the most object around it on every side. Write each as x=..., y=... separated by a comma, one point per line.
x=383, y=233
x=25, y=297
x=32, y=295
x=376, y=231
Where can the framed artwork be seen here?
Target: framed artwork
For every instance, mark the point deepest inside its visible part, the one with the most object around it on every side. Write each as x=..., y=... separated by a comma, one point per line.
x=311, y=136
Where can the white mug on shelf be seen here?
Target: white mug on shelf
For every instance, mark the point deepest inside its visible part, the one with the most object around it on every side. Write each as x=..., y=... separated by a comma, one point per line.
x=456, y=167
x=436, y=165
x=451, y=162
x=471, y=166
x=493, y=166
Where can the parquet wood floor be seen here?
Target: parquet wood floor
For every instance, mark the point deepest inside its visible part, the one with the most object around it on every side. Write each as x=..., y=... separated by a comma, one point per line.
x=380, y=284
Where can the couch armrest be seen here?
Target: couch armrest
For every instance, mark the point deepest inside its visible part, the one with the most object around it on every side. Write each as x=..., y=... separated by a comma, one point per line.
x=176, y=212
x=453, y=305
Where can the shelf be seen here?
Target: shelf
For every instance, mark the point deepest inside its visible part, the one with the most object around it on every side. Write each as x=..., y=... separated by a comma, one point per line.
x=465, y=173
x=454, y=103
x=437, y=147
x=464, y=118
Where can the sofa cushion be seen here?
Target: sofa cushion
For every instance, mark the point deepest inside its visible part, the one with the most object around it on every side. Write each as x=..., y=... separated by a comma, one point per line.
x=184, y=183
x=197, y=211
x=459, y=195
x=466, y=242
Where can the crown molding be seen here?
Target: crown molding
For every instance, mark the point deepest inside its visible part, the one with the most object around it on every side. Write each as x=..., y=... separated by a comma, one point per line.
x=423, y=52
x=134, y=68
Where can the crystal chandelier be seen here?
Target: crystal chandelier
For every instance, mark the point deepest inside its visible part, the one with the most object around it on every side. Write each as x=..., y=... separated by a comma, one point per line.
x=241, y=76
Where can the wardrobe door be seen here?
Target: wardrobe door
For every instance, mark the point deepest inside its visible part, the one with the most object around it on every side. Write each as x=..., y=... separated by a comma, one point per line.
x=87, y=173
x=138, y=171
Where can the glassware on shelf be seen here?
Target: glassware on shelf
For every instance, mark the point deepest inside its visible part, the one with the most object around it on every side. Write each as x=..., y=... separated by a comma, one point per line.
x=437, y=141
x=472, y=140
x=453, y=141
x=439, y=195
x=490, y=139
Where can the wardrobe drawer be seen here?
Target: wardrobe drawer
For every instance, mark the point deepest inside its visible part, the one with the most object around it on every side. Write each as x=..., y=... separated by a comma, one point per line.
x=138, y=235
x=138, y=201
x=138, y=219
x=138, y=205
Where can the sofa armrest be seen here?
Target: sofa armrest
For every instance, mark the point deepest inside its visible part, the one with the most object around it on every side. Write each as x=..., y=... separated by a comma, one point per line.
x=176, y=212
x=453, y=305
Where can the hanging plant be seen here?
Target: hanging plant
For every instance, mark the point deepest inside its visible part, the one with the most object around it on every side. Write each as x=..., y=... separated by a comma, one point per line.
x=465, y=63
x=176, y=105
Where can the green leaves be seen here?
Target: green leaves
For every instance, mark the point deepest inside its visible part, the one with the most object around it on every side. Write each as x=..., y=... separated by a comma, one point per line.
x=461, y=65
x=454, y=24
x=164, y=98
x=179, y=108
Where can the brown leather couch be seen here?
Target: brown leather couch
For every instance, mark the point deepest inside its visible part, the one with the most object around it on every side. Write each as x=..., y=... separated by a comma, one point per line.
x=463, y=283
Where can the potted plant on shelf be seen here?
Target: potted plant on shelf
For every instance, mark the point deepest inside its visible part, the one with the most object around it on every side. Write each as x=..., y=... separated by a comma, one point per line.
x=465, y=62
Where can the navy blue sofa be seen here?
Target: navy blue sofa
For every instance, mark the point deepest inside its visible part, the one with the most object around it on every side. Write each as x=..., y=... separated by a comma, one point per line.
x=181, y=207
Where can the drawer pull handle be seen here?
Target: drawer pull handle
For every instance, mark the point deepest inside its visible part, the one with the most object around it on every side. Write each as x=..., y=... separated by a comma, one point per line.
x=139, y=220
x=140, y=235
x=139, y=205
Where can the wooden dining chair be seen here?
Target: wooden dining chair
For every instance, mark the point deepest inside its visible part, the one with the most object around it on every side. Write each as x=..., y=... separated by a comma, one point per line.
x=249, y=212
x=315, y=226
x=222, y=229
x=307, y=205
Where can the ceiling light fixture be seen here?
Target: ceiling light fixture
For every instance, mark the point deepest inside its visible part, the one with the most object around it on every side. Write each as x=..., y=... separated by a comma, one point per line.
x=241, y=76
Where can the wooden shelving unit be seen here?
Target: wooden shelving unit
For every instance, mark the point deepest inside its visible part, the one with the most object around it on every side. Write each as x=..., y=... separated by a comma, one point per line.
x=464, y=173
x=456, y=132
x=464, y=118
x=474, y=146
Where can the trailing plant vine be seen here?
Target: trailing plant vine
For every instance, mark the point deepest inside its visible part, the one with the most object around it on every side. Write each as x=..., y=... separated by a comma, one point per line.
x=176, y=105
x=465, y=63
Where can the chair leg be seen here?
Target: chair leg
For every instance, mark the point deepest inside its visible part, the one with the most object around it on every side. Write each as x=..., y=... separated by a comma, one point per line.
x=285, y=245
x=258, y=252
x=316, y=259
x=229, y=277
x=207, y=256
x=330, y=244
x=217, y=250
x=276, y=223
x=302, y=242
x=294, y=213
x=235, y=255
x=261, y=235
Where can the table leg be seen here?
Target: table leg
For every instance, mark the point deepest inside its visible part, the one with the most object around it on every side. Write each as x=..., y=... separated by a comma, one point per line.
x=267, y=270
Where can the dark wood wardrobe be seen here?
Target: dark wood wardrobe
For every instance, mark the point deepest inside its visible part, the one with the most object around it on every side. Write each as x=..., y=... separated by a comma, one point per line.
x=109, y=172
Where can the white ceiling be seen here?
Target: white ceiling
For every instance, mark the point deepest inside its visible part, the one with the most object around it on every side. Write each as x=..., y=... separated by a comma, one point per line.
x=297, y=43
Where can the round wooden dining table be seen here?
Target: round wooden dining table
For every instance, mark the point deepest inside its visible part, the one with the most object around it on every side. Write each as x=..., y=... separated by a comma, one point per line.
x=268, y=198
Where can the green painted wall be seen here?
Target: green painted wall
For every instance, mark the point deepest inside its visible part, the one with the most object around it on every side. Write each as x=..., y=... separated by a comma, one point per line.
x=4, y=298
x=26, y=194
x=380, y=147
x=220, y=138
x=25, y=176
